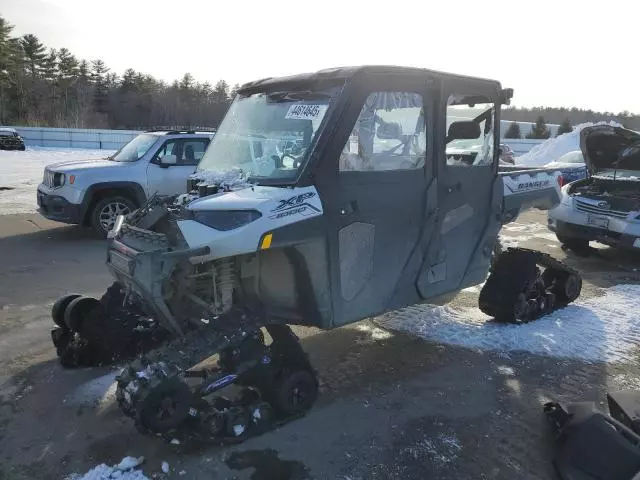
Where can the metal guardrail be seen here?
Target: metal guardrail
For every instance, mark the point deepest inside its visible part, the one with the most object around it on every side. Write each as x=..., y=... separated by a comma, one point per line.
x=75, y=137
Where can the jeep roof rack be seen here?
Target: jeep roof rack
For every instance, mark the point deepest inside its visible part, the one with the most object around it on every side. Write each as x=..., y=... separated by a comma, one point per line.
x=174, y=129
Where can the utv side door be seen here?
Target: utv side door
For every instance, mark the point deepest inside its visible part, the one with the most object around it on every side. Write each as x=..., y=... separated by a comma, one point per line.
x=171, y=179
x=469, y=193
x=374, y=199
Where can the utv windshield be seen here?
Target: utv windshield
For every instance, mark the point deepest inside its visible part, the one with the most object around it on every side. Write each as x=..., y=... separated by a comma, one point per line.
x=135, y=149
x=268, y=135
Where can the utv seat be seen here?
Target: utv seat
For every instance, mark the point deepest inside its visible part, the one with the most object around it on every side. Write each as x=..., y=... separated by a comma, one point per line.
x=593, y=445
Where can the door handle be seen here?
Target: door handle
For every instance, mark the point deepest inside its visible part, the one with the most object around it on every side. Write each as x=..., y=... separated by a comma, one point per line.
x=455, y=186
x=349, y=208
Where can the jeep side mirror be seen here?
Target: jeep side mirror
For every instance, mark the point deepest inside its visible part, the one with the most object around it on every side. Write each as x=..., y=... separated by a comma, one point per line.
x=168, y=160
x=463, y=130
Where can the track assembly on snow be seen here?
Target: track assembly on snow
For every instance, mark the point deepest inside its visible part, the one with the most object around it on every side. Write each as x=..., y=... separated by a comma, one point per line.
x=526, y=284
x=162, y=392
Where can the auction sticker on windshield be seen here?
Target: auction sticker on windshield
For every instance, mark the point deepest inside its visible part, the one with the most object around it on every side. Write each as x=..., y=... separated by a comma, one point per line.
x=305, y=112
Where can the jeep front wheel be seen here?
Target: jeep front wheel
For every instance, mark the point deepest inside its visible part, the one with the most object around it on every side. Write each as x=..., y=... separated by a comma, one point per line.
x=106, y=211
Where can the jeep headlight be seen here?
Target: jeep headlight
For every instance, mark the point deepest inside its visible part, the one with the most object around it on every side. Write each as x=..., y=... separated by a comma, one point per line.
x=58, y=179
x=225, y=219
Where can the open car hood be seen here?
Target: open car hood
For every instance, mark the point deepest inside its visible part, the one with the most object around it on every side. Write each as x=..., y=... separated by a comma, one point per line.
x=601, y=146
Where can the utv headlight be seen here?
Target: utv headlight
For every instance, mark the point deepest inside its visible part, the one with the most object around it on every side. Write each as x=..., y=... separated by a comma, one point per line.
x=58, y=179
x=225, y=219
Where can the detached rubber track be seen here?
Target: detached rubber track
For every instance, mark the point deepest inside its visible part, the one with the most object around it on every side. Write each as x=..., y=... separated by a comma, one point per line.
x=514, y=270
x=147, y=374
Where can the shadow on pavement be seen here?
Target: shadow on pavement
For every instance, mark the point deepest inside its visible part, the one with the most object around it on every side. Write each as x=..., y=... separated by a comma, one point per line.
x=393, y=406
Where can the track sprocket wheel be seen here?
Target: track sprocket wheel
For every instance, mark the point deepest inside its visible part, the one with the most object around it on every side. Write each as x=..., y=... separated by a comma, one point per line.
x=294, y=392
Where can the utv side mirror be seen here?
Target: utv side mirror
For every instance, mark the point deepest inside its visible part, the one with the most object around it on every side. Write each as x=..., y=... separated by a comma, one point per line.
x=389, y=131
x=168, y=160
x=466, y=130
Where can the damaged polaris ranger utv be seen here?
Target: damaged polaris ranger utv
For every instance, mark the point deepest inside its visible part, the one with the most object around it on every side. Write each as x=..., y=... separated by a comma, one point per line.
x=323, y=199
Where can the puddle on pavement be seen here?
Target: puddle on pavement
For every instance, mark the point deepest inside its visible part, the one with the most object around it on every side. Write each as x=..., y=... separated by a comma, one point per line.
x=267, y=465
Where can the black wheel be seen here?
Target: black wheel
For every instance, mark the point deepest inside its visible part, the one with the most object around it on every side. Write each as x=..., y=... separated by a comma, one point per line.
x=57, y=311
x=166, y=406
x=77, y=310
x=568, y=287
x=573, y=243
x=106, y=211
x=295, y=392
x=533, y=309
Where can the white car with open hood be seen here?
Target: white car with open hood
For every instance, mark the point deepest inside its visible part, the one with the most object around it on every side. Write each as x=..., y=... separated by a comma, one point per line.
x=604, y=206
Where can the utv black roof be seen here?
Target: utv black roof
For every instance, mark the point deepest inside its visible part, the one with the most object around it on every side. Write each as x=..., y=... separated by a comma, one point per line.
x=349, y=72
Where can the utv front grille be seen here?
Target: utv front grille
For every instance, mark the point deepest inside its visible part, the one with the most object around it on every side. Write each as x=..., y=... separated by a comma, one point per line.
x=158, y=239
x=589, y=207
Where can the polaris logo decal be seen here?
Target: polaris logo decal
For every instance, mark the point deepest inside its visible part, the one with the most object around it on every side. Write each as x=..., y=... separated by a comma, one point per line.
x=530, y=185
x=295, y=205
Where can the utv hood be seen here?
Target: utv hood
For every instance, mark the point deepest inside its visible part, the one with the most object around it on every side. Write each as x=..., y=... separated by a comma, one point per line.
x=606, y=147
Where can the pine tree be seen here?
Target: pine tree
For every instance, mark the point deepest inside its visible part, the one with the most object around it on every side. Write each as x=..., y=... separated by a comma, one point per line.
x=34, y=54
x=564, y=127
x=513, y=131
x=539, y=130
x=5, y=55
x=221, y=92
x=234, y=91
x=100, y=94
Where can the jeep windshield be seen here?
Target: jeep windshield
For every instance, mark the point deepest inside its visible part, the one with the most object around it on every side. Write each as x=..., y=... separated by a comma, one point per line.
x=268, y=135
x=135, y=149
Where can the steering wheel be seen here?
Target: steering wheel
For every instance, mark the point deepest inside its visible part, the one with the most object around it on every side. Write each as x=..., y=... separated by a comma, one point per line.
x=403, y=143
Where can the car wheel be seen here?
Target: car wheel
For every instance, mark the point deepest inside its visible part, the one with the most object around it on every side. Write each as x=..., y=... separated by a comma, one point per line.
x=106, y=211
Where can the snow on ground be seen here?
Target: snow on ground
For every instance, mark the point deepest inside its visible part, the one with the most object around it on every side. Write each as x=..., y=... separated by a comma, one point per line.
x=440, y=450
x=555, y=147
x=512, y=234
x=22, y=172
x=125, y=470
x=603, y=328
x=95, y=392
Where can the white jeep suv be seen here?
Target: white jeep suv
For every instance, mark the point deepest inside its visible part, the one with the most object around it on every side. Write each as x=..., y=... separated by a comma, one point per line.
x=95, y=192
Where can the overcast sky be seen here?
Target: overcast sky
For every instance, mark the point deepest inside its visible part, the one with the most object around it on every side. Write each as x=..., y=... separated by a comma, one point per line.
x=553, y=53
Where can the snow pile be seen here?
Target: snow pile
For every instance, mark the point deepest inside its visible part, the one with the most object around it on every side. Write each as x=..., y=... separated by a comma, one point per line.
x=604, y=328
x=125, y=470
x=21, y=173
x=555, y=147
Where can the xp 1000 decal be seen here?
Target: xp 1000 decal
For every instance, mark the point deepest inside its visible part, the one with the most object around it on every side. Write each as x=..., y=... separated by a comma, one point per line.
x=295, y=205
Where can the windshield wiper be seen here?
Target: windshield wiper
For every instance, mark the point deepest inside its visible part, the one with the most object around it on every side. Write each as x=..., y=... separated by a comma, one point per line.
x=297, y=96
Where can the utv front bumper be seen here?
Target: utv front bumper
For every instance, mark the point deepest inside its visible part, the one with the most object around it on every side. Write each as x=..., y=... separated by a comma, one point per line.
x=143, y=262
